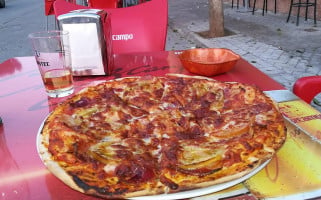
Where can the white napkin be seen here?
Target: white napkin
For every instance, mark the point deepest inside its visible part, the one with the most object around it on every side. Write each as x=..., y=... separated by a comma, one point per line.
x=84, y=46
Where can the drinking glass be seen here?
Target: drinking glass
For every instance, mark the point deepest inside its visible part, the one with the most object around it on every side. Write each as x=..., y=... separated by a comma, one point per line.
x=52, y=54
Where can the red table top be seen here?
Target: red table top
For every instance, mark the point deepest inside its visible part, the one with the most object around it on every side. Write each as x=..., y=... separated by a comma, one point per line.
x=24, y=105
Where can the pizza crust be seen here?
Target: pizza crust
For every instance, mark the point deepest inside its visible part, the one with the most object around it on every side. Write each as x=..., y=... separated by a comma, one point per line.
x=46, y=157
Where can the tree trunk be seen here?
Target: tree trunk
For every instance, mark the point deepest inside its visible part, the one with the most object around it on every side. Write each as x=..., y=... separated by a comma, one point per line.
x=216, y=18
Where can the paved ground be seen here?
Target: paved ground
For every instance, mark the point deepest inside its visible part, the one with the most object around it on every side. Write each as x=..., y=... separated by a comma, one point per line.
x=17, y=20
x=282, y=50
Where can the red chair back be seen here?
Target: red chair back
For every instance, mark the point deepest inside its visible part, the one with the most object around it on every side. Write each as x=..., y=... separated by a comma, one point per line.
x=307, y=87
x=103, y=3
x=49, y=8
x=134, y=29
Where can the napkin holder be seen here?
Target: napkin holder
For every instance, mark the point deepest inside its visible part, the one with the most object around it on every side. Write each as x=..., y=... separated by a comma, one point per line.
x=90, y=41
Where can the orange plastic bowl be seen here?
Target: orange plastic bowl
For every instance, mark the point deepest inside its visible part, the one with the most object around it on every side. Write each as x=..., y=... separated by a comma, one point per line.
x=208, y=61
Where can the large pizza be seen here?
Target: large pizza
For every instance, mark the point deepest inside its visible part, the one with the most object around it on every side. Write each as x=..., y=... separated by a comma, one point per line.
x=139, y=136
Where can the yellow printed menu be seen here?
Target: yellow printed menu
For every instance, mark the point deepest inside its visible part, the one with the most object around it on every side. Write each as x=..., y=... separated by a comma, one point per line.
x=303, y=115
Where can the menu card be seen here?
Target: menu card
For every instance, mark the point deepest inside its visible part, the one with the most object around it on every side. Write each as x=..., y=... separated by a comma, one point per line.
x=304, y=116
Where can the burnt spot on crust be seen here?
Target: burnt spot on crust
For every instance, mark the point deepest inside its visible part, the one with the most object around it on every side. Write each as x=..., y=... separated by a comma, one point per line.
x=97, y=191
x=169, y=183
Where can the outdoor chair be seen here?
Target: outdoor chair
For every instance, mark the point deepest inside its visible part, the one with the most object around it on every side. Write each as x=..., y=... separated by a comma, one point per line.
x=307, y=87
x=306, y=4
x=104, y=4
x=237, y=3
x=49, y=5
x=138, y=28
x=265, y=5
x=49, y=8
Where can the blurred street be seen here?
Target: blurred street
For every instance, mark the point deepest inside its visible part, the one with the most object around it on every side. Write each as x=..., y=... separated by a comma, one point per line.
x=21, y=17
x=17, y=20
